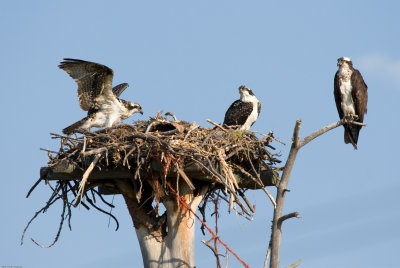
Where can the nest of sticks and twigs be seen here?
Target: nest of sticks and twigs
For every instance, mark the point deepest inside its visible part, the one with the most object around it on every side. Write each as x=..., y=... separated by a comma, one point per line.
x=156, y=153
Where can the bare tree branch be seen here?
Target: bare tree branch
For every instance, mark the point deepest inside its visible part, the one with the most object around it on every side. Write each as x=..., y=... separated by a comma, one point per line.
x=259, y=182
x=85, y=177
x=288, y=216
x=297, y=263
x=326, y=129
x=94, y=151
x=295, y=139
x=215, y=253
x=319, y=133
x=33, y=187
x=267, y=256
x=276, y=235
x=215, y=124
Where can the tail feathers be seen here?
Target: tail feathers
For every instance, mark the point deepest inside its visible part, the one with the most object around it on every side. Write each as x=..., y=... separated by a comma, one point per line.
x=351, y=135
x=75, y=126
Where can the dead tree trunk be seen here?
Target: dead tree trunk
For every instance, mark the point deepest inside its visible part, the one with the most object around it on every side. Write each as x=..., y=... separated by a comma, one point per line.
x=169, y=241
x=279, y=218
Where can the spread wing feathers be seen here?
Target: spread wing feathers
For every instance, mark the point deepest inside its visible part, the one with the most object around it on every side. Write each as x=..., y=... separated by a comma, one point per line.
x=238, y=113
x=117, y=90
x=338, y=97
x=94, y=81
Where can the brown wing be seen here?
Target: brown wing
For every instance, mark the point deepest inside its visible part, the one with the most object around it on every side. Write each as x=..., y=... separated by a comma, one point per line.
x=93, y=80
x=359, y=94
x=237, y=113
x=337, y=94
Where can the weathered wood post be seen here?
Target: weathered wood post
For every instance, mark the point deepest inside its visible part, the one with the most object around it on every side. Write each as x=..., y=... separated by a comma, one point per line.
x=172, y=246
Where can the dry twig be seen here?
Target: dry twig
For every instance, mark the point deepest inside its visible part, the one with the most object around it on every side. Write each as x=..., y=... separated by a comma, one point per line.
x=81, y=191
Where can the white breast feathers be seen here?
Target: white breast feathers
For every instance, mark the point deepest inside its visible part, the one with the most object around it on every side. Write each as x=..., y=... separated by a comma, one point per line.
x=346, y=89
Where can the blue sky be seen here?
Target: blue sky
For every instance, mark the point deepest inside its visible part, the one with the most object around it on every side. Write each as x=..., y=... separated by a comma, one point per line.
x=189, y=58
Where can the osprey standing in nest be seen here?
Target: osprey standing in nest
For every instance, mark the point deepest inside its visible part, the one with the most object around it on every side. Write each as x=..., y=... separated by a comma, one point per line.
x=351, y=98
x=96, y=95
x=243, y=112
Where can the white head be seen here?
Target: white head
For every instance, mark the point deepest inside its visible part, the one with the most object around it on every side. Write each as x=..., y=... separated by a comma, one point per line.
x=131, y=108
x=343, y=61
x=135, y=108
x=246, y=95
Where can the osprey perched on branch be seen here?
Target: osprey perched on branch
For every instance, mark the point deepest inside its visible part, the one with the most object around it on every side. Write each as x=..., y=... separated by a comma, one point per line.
x=351, y=98
x=96, y=95
x=243, y=112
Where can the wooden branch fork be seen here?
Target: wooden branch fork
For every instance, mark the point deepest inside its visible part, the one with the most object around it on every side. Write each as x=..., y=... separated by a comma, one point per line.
x=278, y=219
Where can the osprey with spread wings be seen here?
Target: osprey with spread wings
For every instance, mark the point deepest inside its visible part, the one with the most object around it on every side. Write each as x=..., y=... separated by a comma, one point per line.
x=97, y=96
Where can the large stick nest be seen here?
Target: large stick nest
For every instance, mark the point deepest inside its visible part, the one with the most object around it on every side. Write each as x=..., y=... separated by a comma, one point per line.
x=154, y=153
x=163, y=145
